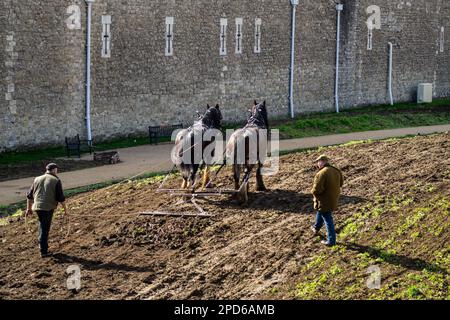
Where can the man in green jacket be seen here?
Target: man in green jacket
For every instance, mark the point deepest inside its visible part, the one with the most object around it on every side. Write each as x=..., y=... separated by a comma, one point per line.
x=43, y=198
x=326, y=191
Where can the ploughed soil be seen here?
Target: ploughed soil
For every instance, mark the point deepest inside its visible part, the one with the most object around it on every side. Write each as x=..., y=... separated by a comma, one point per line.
x=263, y=250
x=35, y=168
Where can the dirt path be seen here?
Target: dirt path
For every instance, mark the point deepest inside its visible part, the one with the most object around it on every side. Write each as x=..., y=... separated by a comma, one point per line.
x=148, y=158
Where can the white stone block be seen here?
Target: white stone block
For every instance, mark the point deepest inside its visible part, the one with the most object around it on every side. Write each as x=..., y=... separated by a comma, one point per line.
x=425, y=93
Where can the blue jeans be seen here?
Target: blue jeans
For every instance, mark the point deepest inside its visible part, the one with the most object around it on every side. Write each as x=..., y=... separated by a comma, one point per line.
x=45, y=221
x=326, y=217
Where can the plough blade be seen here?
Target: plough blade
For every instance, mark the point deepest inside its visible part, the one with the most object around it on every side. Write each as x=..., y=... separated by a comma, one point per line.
x=198, y=195
x=175, y=214
x=211, y=193
x=170, y=190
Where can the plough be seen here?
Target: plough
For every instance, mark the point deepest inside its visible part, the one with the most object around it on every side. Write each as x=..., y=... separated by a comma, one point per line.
x=194, y=194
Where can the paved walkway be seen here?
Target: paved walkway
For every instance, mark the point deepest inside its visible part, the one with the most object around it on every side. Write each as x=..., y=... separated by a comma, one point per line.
x=149, y=158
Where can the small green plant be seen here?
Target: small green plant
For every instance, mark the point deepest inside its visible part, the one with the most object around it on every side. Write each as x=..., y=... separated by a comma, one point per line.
x=350, y=229
x=416, y=235
x=273, y=290
x=335, y=270
x=417, y=216
x=317, y=262
x=414, y=292
x=309, y=289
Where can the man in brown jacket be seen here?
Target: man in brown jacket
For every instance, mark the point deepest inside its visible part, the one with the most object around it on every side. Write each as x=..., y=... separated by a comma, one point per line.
x=326, y=191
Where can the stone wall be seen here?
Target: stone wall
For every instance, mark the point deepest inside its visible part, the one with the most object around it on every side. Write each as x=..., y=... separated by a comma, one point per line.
x=43, y=62
x=414, y=29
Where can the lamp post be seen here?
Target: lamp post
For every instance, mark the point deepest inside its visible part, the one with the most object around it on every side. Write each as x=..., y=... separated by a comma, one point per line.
x=294, y=4
x=88, y=70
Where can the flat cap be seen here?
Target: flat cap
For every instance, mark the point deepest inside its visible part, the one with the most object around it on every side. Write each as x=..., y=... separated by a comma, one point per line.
x=322, y=158
x=51, y=166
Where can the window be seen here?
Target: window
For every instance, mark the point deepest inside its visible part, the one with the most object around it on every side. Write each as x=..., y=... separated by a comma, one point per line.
x=257, y=48
x=169, y=36
x=373, y=22
x=223, y=36
x=106, y=37
x=370, y=39
x=239, y=23
x=442, y=40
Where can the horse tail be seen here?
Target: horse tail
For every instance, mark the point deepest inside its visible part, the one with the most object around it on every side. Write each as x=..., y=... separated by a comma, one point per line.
x=181, y=152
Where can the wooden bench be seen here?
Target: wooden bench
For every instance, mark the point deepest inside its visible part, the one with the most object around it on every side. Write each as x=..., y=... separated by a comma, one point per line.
x=75, y=146
x=164, y=131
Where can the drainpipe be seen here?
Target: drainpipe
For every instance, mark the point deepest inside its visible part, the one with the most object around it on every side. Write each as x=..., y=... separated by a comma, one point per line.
x=88, y=71
x=339, y=8
x=391, y=49
x=294, y=4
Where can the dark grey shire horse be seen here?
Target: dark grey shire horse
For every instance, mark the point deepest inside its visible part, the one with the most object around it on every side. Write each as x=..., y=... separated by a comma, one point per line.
x=187, y=155
x=246, y=155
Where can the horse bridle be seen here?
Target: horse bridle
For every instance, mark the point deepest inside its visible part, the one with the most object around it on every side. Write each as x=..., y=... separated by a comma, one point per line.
x=257, y=119
x=208, y=119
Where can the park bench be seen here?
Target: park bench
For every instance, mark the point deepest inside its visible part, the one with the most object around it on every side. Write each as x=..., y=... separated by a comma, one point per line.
x=163, y=131
x=74, y=146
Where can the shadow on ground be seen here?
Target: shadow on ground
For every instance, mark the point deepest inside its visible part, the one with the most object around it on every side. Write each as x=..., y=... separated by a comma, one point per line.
x=62, y=258
x=285, y=201
x=415, y=264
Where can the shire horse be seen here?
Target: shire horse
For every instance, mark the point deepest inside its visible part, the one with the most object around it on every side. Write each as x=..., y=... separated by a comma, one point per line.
x=186, y=148
x=240, y=139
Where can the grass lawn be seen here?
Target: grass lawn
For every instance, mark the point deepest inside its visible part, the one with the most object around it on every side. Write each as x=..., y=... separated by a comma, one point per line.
x=318, y=124
x=366, y=119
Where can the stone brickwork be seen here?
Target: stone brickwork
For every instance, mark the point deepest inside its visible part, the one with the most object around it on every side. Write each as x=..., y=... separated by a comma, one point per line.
x=44, y=65
x=43, y=61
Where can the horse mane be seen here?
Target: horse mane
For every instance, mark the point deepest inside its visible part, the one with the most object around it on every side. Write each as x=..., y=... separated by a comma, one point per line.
x=206, y=121
x=259, y=117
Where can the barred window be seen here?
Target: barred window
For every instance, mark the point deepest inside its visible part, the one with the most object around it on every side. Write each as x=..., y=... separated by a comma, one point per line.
x=169, y=36
x=257, y=47
x=106, y=37
x=223, y=36
x=239, y=24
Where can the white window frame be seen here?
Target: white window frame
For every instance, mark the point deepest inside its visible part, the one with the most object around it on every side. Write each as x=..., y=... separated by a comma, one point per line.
x=442, y=40
x=106, y=36
x=239, y=36
x=223, y=36
x=169, y=36
x=258, y=33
